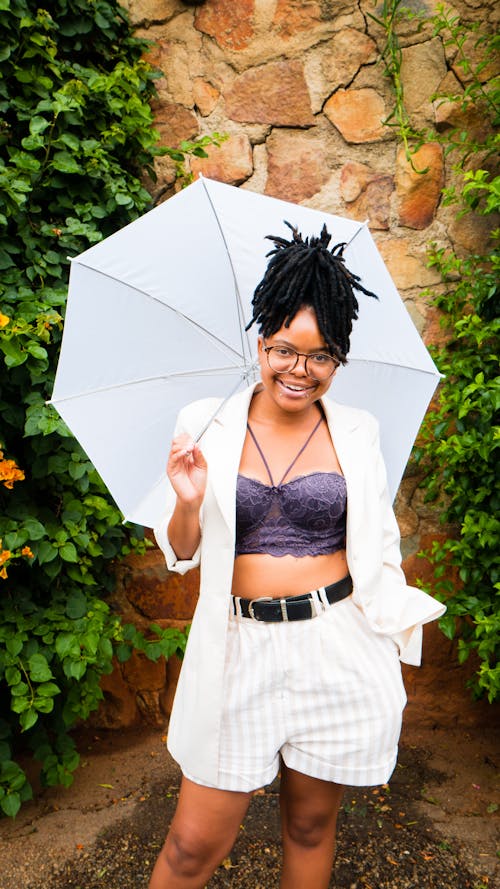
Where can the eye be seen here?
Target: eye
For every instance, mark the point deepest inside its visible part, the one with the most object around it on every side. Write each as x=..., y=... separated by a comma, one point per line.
x=283, y=351
x=320, y=358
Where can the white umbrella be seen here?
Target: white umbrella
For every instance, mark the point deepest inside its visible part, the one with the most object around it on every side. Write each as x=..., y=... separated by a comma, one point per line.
x=156, y=316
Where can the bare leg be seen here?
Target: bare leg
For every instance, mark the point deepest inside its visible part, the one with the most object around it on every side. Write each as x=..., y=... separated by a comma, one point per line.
x=202, y=833
x=309, y=809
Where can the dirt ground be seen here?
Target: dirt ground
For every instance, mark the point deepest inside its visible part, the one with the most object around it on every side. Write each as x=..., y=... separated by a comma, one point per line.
x=434, y=827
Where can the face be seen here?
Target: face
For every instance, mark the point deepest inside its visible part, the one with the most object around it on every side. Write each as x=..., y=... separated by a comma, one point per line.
x=295, y=390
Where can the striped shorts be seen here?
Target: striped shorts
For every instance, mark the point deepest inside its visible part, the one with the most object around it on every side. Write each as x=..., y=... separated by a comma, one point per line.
x=325, y=694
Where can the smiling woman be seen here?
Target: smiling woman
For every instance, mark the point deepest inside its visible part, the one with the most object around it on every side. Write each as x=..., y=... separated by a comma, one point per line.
x=304, y=613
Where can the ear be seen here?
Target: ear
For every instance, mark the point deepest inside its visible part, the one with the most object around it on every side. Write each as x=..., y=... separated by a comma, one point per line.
x=260, y=343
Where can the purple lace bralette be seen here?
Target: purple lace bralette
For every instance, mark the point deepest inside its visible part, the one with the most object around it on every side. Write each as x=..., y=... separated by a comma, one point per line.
x=303, y=517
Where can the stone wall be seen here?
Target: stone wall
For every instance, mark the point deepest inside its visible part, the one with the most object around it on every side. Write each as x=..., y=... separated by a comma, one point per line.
x=300, y=90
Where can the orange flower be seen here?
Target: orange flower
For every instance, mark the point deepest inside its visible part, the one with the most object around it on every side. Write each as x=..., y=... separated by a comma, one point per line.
x=5, y=555
x=3, y=573
x=10, y=472
x=27, y=552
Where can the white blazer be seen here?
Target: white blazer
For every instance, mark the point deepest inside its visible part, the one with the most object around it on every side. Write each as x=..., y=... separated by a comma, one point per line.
x=390, y=606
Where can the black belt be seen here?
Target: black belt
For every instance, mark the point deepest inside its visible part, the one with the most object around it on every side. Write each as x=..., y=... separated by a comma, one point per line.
x=292, y=607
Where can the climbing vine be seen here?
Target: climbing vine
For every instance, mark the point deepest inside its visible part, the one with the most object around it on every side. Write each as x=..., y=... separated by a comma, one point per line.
x=458, y=449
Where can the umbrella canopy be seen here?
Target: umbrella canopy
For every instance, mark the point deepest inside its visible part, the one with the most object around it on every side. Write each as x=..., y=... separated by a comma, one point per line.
x=156, y=316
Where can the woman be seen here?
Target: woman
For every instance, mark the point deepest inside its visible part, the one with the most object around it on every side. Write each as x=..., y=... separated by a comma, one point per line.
x=304, y=614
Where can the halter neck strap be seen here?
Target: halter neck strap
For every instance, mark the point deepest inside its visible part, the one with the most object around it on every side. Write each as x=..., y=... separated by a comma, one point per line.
x=292, y=464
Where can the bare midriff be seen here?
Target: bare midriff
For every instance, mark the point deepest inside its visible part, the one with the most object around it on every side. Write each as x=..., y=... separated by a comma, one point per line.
x=257, y=575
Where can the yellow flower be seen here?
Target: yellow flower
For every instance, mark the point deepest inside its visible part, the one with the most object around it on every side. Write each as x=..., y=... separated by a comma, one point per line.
x=3, y=573
x=4, y=320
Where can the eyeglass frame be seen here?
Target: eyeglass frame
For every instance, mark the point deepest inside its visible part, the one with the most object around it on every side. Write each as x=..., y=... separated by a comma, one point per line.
x=305, y=356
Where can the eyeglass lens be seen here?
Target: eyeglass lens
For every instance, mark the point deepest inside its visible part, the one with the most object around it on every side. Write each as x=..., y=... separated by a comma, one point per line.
x=319, y=366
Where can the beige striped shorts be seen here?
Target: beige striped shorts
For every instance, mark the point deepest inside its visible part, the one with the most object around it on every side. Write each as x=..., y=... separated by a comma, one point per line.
x=325, y=694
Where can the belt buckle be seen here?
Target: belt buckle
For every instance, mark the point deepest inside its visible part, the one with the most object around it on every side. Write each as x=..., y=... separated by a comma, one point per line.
x=260, y=599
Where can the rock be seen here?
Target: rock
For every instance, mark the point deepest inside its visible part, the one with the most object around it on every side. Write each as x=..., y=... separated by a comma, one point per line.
x=229, y=22
x=231, y=162
x=419, y=186
x=407, y=269
x=119, y=707
x=423, y=67
x=275, y=93
x=150, y=10
x=435, y=333
x=174, y=123
x=350, y=49
x=358, y=114
x=174, y=665
x=292, y=16
x=407, y=520
x=143, y=674
x=206, y=96
x=354, y=178
x=158, y=594
x=368, y=194
x=471, y=233
x=297, y=166
x=148, y=703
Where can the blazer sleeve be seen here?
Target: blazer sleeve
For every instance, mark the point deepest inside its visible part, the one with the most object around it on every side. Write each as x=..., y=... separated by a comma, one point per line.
x=180, y=566
x=419, y=608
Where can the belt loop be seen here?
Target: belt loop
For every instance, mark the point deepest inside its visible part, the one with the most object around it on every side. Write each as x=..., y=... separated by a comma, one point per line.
x=317, y=603
x=284, y=612
x=323, y=597
x=237, y=606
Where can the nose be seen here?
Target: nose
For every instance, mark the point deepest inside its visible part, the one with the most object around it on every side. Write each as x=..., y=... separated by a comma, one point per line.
x=300, y=368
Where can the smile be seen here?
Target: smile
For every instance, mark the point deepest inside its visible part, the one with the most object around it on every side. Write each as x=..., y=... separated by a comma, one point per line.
x=295, y=388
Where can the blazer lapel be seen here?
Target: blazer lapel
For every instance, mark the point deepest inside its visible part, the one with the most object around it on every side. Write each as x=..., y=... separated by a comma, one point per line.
x=342, y=421
x=224, y=444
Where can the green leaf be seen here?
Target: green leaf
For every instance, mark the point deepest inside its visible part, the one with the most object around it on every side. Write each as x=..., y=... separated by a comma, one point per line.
x=11, y=804
x=12, y=675
x=48, y=690
x=65, y=162
x=38, y=125
x=67, y=644
x=39, y=668
x=27, y=719
x=68, y=552
x=76, y=605
x=46, y=552
x=14, y=645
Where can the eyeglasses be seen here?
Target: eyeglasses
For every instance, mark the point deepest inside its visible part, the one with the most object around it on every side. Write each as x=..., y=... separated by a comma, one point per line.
x=318, y=365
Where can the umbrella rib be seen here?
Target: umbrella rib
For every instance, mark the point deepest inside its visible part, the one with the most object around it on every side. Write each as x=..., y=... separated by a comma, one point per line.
x=171, y=376
x=356, y=233
x=239, y=303
x=190, y=321
x=432, y=373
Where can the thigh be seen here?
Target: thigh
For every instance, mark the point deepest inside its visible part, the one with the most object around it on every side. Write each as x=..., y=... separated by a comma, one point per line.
x=207, y=817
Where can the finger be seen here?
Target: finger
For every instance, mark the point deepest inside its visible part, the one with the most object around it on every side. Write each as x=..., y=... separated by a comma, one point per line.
x=182, y=445
x=198, y=457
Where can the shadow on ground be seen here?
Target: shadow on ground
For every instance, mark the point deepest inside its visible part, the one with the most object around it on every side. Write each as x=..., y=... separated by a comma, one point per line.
x=431, y=829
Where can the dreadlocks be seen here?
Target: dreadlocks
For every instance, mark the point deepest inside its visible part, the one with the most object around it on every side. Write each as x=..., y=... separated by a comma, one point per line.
x=304, y=272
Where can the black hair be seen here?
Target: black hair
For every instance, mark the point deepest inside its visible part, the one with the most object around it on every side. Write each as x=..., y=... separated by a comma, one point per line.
x=301, y=273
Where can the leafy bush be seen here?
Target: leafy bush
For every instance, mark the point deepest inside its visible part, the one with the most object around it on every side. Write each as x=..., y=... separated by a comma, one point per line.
x=460, y=439
x=76, y=137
